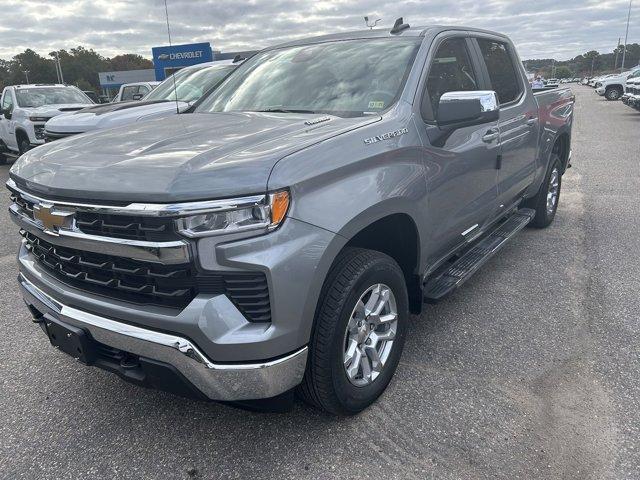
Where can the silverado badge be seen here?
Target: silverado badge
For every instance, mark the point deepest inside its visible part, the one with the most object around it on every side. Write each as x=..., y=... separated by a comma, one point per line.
x=385, y=136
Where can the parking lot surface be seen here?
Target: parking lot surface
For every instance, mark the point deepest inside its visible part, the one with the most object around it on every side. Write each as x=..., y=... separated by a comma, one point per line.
x=530, y=370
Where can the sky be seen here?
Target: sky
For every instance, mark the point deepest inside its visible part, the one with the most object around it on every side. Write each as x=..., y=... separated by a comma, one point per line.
x=540, y=28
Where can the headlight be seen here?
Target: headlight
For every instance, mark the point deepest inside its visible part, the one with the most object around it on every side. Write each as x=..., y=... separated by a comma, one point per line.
x=261, y=214
x=39, y=119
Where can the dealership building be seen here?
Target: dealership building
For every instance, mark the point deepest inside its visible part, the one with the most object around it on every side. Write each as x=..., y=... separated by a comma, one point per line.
x=166, y=60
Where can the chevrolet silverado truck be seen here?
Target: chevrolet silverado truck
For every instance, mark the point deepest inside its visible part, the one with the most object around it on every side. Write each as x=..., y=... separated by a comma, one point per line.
x=26, y=108
x=276, y=238
x=175, y=94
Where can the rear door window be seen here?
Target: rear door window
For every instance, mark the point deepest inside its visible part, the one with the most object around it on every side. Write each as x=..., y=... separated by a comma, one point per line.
x=502, y=72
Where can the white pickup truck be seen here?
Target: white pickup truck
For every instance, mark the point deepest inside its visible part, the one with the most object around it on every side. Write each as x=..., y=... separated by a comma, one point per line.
x=612, y=86
x=26, y=108
x=189, y=84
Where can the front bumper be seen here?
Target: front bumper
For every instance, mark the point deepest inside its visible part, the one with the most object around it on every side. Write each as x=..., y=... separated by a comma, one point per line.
x=600, y=91
x=223, y=382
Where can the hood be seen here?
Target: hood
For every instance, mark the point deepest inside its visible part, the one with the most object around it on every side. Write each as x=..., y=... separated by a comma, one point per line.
x=178, y=158
x=111, y=115
x=53, y=110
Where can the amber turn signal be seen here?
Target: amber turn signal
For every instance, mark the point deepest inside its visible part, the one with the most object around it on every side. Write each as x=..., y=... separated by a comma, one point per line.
x=279, y=207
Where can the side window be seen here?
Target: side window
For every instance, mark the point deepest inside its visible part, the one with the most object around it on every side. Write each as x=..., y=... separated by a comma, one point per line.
x=451, y=71
x=7, y=101
x=502, y=73
x=128, y=92
x=143, y=89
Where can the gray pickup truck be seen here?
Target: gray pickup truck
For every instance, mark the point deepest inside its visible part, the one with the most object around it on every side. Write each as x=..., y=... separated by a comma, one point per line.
x=275, y=238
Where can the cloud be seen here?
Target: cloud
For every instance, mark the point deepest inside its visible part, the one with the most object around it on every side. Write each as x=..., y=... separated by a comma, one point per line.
x=544, y=28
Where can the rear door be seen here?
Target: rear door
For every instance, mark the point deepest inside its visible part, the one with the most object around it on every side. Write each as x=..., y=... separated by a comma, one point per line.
x=461, y=174
x=518, y=117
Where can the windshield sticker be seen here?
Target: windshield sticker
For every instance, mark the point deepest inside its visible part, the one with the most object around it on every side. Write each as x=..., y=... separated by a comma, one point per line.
x=376, y=104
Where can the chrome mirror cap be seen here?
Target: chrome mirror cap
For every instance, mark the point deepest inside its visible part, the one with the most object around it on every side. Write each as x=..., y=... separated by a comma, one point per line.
x=488, y=99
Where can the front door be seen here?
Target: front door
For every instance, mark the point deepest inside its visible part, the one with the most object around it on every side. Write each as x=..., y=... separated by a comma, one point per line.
x=461, y=174
x=6, y=125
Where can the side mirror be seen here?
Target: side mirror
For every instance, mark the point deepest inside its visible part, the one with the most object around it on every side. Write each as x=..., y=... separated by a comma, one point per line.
x=463, y=109
x=7, y=114
x=137, y=96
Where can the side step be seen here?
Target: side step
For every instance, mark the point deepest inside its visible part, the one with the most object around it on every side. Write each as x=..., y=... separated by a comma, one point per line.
x=439, y=286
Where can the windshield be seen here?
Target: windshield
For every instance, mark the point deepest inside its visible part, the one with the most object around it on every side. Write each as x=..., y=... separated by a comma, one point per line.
x=345, y=78
x=190, y=83
x=37, y=97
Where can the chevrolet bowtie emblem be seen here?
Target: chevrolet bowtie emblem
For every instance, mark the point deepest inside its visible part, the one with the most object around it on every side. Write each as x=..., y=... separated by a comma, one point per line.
x=51, y=220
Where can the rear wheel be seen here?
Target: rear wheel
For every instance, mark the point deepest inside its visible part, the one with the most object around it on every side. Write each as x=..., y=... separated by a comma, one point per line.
x=545, y=203
x=359, y=333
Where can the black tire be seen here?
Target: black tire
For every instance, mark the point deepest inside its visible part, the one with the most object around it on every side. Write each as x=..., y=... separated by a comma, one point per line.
x=544, y=217
x=613, y=94
x=325, y=384
x=3, y=159
x=23, y=144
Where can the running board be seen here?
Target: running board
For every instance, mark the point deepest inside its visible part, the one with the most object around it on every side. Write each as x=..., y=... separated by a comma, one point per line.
x=439, y=286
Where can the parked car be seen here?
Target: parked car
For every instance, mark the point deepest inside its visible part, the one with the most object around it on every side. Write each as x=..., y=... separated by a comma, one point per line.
x=278, y=235
x=25, y=110
x=631, y=96
x=612, y=86
x=190, y=84
x=133, y=91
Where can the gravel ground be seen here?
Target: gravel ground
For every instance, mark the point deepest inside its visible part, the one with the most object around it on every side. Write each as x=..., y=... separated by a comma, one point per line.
x=531, y=370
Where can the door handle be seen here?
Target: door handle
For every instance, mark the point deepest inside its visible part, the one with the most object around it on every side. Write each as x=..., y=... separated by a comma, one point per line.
x=491, y=135
x=532, y=121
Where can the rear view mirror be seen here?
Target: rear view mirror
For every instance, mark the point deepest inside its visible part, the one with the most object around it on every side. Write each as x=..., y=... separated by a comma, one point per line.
x=468, y=108
x=463, y=109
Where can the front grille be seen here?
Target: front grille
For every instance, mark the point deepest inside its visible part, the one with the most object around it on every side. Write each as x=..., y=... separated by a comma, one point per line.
x=149, y=283
x=125, y=226
x=130, y=227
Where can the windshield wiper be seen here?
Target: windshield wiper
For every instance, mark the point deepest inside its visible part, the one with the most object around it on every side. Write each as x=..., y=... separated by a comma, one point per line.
x=284, y=110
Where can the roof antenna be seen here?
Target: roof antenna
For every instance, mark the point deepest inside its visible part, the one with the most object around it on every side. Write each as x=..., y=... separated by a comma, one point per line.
x=399, y=26
x=371, y=25
x=175, y=89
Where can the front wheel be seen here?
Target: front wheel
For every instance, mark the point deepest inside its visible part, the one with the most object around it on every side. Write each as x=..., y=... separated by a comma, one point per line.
x=613, y=94
x=545, y=203
x=359, y=333
x=24, y=145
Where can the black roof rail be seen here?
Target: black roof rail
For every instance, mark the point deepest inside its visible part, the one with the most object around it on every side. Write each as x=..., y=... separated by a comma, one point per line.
x=399, y=26
x=238, y=58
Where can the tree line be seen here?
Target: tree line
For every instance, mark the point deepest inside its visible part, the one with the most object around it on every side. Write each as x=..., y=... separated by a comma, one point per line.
x=591, y=62
x=80, y=67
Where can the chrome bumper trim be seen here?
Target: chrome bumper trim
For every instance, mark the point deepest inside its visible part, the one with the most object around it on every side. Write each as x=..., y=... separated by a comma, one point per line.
x=224, y=382
x=164, y=252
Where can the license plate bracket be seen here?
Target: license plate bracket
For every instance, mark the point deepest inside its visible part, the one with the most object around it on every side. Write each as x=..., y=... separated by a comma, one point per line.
x=71, y=340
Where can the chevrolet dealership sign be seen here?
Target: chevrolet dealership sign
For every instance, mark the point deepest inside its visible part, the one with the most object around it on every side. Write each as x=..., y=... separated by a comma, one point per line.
x=168, y=59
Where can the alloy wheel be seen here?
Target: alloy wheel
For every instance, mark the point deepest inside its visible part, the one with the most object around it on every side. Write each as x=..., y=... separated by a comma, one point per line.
x=370, y=334
x=553, y=191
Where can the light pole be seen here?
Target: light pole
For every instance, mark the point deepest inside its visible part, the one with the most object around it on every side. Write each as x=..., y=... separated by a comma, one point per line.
x=26, y=74
x=626, y=36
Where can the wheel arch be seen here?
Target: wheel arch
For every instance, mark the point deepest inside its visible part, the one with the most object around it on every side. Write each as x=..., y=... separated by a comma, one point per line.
x=395, y=234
